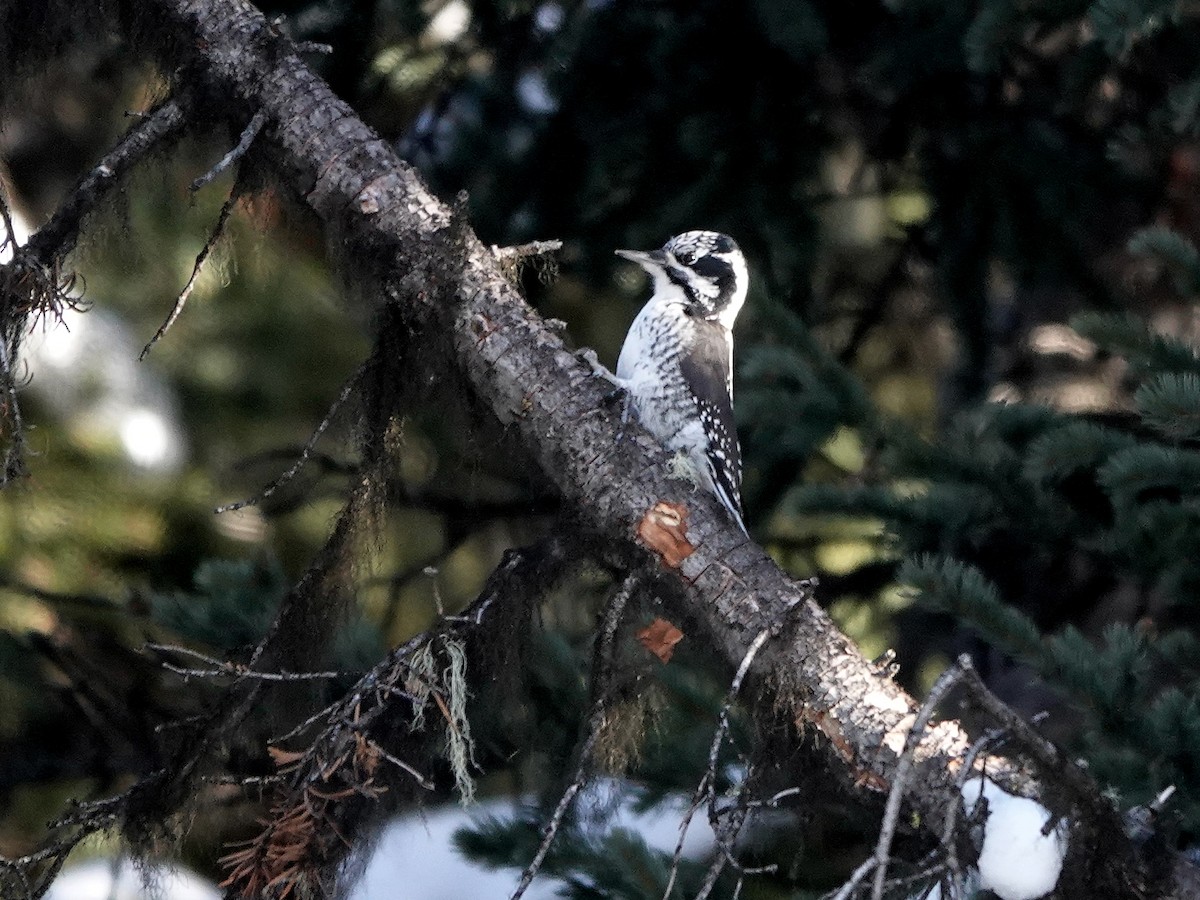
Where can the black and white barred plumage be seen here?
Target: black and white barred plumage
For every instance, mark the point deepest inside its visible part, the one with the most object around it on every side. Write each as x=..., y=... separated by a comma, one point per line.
x=677, y=359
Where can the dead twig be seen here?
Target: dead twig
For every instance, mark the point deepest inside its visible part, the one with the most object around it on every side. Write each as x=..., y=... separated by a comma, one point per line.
x=904, y=767
x=35, y=871
x=249, y=133
x=347, y=389
x=1042, y=751
x=181, y=300
x=856, y=878
x=314, y=47
x=524, y=251
x=560, y=811
x=420, y=779
x=327, y=783
x=224, y=669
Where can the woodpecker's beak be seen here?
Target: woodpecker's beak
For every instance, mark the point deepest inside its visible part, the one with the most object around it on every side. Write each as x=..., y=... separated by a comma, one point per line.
x=651, y=261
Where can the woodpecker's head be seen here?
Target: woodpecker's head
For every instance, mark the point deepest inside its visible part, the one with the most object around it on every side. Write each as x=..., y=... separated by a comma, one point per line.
x=706, y=267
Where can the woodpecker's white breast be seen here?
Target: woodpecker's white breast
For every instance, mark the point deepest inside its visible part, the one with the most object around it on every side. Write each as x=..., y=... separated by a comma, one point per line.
x=660, y=337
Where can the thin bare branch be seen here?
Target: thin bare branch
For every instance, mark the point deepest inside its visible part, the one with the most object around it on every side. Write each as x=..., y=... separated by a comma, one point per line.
x=772, y=802
x=706, y=789
x=32, y=283
x=422, y=780
x=325, y=714
x=36, y=871
x=560, y=811
x=314, y=47
x=720, y=861
x=347, y=389
x=987, y=740
x=1054, y=764
x=856, y=878
x=225, y=669
x=249, y=133
x=524, y=251
x=181, y=300
x=335, y=771
x=904, y=767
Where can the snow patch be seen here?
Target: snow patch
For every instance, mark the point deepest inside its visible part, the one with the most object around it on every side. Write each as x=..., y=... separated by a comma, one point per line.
x=1017, y=861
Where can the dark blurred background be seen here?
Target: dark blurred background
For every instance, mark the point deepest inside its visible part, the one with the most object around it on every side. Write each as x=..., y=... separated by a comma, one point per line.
x=926, y=191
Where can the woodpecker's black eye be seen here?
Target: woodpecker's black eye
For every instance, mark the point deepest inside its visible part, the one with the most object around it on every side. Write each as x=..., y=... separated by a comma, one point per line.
x=712, y=267
x=687, y=257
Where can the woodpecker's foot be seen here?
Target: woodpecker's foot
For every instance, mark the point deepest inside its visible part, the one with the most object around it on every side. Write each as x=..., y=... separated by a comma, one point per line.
x=621, y=395
x=617, y=395
x=588, y=356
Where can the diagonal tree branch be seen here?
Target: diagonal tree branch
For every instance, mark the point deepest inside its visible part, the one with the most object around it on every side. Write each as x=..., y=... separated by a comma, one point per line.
x=404, y=246
x=148, y=133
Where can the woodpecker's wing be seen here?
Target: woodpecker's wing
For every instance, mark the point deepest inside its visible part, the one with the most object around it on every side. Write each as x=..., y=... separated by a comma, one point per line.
x=706, y=370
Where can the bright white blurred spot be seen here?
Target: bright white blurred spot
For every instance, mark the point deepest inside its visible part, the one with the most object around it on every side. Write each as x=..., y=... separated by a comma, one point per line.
x=245, y=524
x=534, y=94
x=1004, y=392
x=449, y=23
x=548, y=17
x=84, y=369
x=101, y=879
x=147, y=439
x=1017, y=861
x=418, y=851
x=1056, y=339
x=58, y=345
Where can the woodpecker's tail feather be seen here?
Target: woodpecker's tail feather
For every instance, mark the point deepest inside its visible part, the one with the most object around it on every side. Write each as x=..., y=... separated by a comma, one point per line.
x=727, y=493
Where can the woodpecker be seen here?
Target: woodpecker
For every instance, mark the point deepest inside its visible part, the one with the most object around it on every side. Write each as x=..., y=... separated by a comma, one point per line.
x=677, y=360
